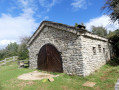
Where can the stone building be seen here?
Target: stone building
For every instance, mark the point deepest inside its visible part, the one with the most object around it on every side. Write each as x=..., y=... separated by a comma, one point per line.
x=58, y=47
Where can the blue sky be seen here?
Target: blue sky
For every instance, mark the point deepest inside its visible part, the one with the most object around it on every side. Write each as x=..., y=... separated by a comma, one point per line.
x=22, y=17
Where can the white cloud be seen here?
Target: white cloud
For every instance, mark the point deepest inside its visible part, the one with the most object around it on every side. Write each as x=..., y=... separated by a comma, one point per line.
x=102, y=21
x=27, y=7
x=12, y=28
x=48, y=4
x=80, y=4
x=46, y=18
x=4, y=43
x=23, y=2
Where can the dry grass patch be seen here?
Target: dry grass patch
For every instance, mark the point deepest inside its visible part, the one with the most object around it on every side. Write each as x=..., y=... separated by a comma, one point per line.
x=89, y=84
x=65, y=88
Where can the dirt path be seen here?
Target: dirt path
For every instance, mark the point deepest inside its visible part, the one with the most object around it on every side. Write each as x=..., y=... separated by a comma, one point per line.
x=35, y=75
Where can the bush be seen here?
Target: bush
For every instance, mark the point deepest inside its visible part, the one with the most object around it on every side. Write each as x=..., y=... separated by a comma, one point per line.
x=114, y=61
x=22, y=52
x=115, y=42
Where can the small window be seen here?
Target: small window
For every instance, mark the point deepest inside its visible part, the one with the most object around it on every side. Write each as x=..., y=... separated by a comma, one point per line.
x=99, y=47
x=94, y=50
x=103, y=50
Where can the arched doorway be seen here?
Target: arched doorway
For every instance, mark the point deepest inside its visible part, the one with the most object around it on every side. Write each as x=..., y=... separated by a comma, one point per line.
x=49, y=59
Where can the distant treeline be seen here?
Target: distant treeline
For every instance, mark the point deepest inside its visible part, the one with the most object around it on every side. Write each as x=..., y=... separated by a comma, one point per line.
x=14, y=49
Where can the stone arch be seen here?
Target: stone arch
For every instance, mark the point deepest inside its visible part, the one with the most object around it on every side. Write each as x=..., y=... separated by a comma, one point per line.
x=49, y=59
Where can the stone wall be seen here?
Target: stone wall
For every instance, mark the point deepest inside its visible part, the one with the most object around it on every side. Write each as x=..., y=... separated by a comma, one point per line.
x=66, y=42
x=93, y=61
x=82, y=51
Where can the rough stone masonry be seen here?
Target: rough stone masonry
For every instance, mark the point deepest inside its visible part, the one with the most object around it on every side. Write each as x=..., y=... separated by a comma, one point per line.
x=81, y=51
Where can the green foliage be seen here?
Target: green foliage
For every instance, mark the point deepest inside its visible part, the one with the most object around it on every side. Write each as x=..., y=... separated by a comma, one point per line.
x=114, y=38
x=2, y=54
x=114, y=61
x=23, y=52
x=10, y=50
x=13, y=49
x=101, y=31
x=112, y=33
x=113, y=8
x=76, y=24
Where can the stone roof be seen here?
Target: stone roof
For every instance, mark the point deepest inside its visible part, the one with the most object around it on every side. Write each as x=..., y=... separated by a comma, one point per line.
x=65, y=27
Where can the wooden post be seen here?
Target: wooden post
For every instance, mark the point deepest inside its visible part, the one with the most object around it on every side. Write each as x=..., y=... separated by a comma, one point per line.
x=5, y=61
x=13, y=58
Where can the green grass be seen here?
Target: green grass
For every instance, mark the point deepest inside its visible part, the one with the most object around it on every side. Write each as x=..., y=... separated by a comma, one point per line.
x=105, y=79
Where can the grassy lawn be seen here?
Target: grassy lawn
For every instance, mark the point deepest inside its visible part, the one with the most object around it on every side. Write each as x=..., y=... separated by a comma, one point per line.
x=105, y=79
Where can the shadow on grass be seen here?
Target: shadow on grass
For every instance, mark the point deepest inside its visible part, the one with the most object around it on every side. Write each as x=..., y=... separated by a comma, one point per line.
x=114, y=61
x=26, y=66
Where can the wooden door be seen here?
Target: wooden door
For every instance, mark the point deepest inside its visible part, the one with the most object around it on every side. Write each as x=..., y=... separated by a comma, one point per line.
x=49, y=59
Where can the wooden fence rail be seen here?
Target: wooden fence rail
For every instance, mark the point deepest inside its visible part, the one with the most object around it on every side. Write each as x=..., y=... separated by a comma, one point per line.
x=10, y=59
